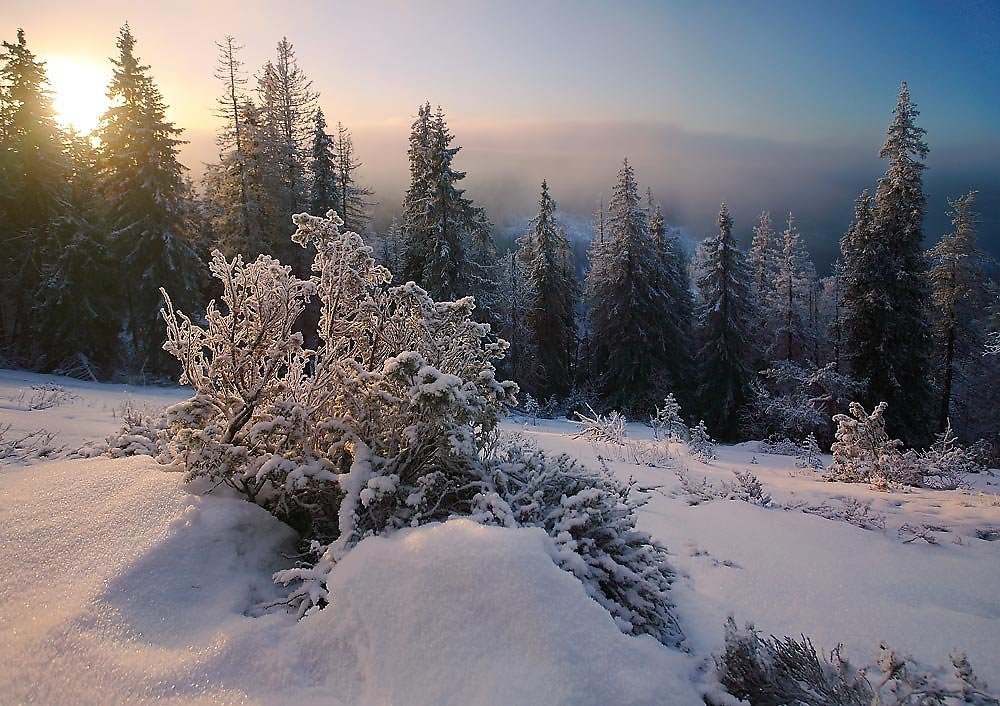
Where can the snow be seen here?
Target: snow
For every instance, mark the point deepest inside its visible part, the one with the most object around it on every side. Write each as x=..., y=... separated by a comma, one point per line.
x=89, y=412
x=793, y=573
x=122, y=584
x=123, y=587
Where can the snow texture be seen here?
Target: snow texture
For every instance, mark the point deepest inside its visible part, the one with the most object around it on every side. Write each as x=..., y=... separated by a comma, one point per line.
x=123, y=587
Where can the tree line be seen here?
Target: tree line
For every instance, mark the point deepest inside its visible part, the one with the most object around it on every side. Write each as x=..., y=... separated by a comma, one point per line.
x=753, y=342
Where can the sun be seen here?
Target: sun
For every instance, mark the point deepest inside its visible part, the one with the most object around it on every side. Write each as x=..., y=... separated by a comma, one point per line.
x=78, y=88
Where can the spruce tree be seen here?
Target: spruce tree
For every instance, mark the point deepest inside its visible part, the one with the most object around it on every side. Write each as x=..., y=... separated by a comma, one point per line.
x=886, y=298
x=959, y=294
x=324, y=194
x=232, y=189
x=553, y=292
x=513, y=302
x=34, y=169
x=287, y=110
x=627, y=306
x=762, y=260
x=674, y=285
x=442, y=228
x=724, y=292
x=792, y=299
x=390, y=251
x=141, y=184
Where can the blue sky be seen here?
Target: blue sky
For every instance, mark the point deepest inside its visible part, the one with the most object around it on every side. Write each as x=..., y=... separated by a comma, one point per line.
x=778, y=105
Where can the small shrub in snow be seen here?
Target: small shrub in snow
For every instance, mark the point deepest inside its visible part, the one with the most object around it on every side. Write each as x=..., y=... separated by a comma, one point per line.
x=862, y=448
x=601, y=428
x=608, y=435
x=911, y=533
x=946, y=464
x=809, y=455
x=667, y=423
x=141, y=434
x=22, y=447
x=700, y=443
x=852, y=511
x=697, y=491
x=43, y=396
x=989, y=533
x=746, y=488
x=771, y=671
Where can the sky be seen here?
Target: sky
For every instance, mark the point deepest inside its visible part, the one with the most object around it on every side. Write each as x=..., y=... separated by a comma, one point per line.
x=767, y=105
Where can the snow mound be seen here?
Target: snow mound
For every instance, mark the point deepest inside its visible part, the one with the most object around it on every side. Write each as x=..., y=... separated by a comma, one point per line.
x=458, y=613
x=120, y=586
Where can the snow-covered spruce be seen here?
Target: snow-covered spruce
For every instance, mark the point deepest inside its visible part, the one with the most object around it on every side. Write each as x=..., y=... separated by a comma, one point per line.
x=701, y=444
x=667, y=422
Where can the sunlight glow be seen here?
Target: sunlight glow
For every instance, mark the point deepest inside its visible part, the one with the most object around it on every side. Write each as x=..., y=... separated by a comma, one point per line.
x=78, y=88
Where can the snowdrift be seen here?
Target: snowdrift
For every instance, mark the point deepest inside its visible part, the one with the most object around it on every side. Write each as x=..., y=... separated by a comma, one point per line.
x=120, y=586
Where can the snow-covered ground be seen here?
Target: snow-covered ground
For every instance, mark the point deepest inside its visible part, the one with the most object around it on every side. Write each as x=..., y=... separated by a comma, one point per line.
x=791, y=572
x=121, y=585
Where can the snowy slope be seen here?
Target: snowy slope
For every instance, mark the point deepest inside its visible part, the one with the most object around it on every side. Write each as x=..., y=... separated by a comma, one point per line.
x=121, y=585
x=795, y=573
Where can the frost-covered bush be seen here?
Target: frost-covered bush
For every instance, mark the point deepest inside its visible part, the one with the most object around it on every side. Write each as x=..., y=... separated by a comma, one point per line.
x=22, y=447
x=700, y=443
x=667, y=423
x=862, y=449
x=608, y=434
x=946, y=464
x=379, y=427
x=390, y=422
x=771, y=671
x=142, y=433
x=43, y=396
x=864, y=453
x=809, y=455
x=852, y=511
x=697, y=491
x=591, y=517
x=746, y=487
x=780, y=672
x=601, y=428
